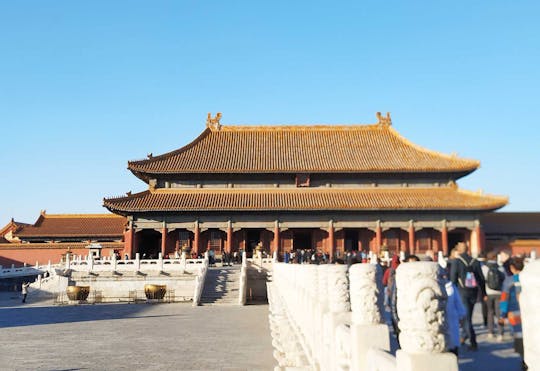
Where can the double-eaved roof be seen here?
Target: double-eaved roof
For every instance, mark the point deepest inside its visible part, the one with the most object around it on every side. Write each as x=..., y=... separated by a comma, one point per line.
x=319, y=149
x=301, y=149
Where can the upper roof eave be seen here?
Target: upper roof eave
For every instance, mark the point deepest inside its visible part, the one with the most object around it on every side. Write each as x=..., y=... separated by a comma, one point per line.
x=157, y=165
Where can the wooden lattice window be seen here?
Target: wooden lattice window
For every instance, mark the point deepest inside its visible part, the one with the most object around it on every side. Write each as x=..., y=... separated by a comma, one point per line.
x=183, y=239
x=392, y=240
x=215, y=240
x=425, y=240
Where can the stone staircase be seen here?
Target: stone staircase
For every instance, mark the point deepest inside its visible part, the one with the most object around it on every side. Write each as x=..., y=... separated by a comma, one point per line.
x=221, y=286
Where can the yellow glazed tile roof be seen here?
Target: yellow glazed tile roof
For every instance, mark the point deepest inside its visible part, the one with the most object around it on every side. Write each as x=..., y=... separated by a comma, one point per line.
x=374, y=148
x=74, y=225
x=305, y=199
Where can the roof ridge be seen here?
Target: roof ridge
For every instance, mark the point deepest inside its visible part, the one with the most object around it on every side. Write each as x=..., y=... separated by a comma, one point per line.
x=301, y=127
x=79, y=215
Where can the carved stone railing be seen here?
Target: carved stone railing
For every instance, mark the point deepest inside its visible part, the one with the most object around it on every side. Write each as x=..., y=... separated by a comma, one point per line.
x=133, y=265
x=529, y=302
x=25, y=270
x=315, y=302
x=242, y=289
x=199, y=281
x=330, y=318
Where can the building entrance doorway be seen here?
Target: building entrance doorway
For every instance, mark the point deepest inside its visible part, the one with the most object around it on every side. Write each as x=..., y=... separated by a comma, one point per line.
x=456, y=237
x=149, y=244
x=253, y=238
x=351, y=240
x=301, y=240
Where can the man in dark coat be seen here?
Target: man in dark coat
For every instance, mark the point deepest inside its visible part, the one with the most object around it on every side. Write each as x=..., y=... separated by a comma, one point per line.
x=466, y=274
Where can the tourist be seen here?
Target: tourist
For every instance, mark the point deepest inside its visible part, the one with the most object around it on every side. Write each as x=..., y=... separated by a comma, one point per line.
x=494, y=276
x=24, y=291
x=389, y=280
x=509, y=303
x=211, y=257
x=467, y=275
x=455, y=313
x=482, y=260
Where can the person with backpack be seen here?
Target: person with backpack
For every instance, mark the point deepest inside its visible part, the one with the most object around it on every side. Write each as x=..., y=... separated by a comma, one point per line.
x=467, y=275
x=495, y=276
x=509, y=305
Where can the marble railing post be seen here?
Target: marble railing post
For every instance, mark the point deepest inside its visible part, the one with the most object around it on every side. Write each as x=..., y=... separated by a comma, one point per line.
x=68, y=263
x=368, y=329
x=137, y=262
x=90, y=263
x=160, y=261
x=421, y=304
x=338, y=310
x=529, y=303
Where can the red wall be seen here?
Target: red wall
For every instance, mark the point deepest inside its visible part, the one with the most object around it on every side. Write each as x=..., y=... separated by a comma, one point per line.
x=29, y=255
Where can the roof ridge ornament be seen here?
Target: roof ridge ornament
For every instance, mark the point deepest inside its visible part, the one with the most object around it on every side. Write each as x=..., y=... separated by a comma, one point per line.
x=384, y=120
x=213, y=123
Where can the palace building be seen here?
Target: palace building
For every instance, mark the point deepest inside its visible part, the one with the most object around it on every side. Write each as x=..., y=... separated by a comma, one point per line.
x=53, y=235
x=330, y=188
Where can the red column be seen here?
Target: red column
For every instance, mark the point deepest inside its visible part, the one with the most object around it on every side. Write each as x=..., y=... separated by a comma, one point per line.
x=378, y=239
x=129, y=236
x=196, y=239
x=229, y=239
x=332, y=240
x=479, y=239
x=276, y=239
x=444, y=238
x=163, y=241
x=412, y=241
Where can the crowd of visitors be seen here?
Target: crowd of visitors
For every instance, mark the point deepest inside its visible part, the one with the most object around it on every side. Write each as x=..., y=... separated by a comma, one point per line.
x=491, y=281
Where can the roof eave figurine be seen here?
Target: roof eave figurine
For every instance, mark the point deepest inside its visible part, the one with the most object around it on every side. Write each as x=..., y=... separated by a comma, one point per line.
x=384, y=120
x=213, y=122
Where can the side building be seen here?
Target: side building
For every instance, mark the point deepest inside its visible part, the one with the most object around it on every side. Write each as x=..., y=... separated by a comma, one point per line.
x=53, y=235
x=331, y=188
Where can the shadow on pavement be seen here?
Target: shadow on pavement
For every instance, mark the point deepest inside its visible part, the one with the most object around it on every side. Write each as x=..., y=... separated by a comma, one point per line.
x=45, y=315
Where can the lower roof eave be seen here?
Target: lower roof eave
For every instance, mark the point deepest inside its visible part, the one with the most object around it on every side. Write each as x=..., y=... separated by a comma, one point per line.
x=143, y=211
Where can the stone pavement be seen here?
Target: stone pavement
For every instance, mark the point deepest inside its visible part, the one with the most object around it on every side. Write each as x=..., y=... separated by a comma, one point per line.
x=40, y=336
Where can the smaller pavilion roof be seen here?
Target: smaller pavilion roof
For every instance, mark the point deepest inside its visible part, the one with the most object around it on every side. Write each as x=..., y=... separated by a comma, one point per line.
x=74, y=226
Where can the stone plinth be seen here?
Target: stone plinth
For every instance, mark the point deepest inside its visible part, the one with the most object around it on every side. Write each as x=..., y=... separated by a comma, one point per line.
x=529, y=305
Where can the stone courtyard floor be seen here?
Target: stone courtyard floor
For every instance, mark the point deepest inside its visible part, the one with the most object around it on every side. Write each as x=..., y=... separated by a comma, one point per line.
x=41, y=336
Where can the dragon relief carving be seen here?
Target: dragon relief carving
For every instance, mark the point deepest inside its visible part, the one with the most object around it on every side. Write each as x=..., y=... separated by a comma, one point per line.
x=339, y=294
x=364, y=294
x=421, y=305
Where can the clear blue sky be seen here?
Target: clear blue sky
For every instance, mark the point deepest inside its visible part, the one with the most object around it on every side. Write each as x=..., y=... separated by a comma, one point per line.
x=87, y=86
